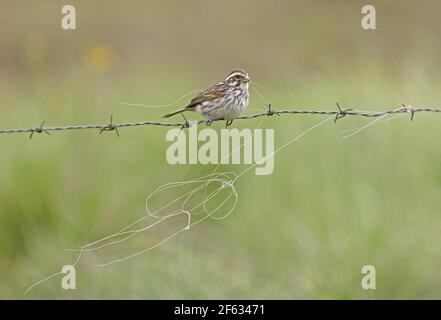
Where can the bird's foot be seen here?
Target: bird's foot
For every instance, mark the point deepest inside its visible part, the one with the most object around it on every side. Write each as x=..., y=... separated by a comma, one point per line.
x=228, y=123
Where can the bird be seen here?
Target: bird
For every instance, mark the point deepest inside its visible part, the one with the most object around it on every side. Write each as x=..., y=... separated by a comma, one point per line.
x=222, y=100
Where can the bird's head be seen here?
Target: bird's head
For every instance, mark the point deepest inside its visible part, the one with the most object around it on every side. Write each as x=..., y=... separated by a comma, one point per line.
x=238, y=78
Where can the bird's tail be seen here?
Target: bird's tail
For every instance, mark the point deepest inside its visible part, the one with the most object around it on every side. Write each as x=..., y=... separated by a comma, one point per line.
x=168, y=115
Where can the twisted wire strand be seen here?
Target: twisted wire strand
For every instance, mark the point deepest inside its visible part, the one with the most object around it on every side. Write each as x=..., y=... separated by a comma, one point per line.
x=339, y=113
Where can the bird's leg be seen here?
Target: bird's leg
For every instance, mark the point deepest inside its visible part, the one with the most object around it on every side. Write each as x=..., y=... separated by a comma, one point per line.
x=208, y=122
x=228, y=123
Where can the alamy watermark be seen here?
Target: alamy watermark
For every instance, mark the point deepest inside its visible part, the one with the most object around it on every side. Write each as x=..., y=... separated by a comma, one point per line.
x=69, y=281
x=368, y=282
x=69, y=19
x=369, y=19
x=230, y=146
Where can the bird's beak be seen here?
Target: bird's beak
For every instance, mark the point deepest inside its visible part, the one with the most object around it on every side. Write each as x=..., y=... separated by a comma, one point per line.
x=247, y=78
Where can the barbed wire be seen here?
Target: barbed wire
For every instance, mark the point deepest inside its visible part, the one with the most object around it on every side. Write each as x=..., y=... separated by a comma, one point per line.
x=268, y=111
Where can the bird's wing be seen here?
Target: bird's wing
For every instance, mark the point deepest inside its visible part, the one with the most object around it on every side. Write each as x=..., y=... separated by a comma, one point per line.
x=214, y=91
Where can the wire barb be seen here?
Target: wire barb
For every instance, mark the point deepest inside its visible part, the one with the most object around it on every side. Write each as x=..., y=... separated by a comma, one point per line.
x=341, y=113
x=40, y=129
x=186, y=123
x=270, y=112
x=110, y=127
x=410, y=110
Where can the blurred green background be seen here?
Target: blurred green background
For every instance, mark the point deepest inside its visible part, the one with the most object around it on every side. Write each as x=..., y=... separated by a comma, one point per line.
x=332, y=204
